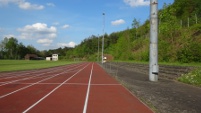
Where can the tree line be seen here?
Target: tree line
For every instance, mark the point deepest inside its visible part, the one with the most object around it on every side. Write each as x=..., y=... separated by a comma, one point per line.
x=10, y=48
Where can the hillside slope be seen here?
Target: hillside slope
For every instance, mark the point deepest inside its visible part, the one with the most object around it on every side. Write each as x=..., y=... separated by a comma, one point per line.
x=179, y=37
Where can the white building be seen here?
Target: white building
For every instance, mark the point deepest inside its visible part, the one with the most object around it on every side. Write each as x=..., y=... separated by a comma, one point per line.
x=55, y=57
x=48, y=58
x=104, y=59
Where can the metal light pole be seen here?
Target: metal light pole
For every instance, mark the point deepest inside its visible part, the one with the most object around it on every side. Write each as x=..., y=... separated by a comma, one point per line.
x=103, y=37
x=153, y=53
x=98, y=49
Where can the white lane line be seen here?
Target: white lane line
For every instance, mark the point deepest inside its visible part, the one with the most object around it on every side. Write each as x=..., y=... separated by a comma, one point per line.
x=6, y=75
x=81, y=84
x=34, y=83
x=28, y=78
x=29, y=85
x=22, y=79
x=52, y=91
x=105, y=84
x=88, y=90
x=49, y=70
x=22, y=74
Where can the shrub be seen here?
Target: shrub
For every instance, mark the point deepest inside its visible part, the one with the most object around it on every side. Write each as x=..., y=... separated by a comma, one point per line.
x=190, y=53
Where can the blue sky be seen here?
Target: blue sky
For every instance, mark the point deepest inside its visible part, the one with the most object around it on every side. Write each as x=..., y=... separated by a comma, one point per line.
x=50, y=24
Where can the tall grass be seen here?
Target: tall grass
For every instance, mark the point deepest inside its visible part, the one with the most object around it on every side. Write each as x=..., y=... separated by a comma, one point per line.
x=15, y=65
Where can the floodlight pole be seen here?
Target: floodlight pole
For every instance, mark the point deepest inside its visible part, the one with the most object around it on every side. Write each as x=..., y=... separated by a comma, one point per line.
x=103, y=38
x=98, y=49
x=153, y=53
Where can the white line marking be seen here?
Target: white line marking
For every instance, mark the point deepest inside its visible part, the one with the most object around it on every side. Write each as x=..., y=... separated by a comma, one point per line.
x=29, y=85
x=70, y=84
x=88, y=89
x=52, y=91
x=49, y=70
x=105, y=84
x=35, y=83
x=21, y=79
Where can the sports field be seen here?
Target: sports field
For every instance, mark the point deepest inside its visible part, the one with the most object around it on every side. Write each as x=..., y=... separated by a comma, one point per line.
x=16, y=65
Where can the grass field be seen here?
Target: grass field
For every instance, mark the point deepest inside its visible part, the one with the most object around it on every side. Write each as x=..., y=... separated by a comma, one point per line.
x=16, y=65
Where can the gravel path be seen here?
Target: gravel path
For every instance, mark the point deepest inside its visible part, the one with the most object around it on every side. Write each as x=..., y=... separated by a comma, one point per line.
x=164, y=96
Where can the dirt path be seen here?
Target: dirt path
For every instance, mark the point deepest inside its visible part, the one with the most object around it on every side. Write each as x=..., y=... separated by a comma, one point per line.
x=164, y=96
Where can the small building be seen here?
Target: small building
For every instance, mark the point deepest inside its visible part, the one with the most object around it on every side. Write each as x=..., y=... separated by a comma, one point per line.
x=104, y=59
x=30, y=56
x=48, y=58
x=55, y=57
x=108, y=58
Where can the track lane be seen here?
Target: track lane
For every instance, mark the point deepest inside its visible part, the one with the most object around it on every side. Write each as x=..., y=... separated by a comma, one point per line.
x=68, y=92
x=17, y=76
x=20, y=101
x=11, y=88
x=37, y=105
x=112, y=98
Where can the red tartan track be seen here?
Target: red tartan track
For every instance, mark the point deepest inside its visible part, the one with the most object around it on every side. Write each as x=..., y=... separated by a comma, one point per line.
x=76, y=88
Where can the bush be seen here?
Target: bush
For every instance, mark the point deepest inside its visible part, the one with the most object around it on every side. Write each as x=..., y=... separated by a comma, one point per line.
x=190, y=53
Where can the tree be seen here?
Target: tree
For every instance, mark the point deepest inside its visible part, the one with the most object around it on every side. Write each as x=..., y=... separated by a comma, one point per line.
x=123, y=47
x=22, y=51
x=136, y=23
x=3, y=48
x=11, y=47
x=31, y=49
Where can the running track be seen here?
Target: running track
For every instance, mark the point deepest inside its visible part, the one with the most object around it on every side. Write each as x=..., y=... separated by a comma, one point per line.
x=75, y=88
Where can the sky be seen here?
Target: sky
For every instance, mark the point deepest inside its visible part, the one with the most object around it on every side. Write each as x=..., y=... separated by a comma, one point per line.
x=50, y=24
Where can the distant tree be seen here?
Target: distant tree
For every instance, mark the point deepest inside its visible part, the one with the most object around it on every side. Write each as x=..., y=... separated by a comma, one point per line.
x=21, y=51
x=123, y=47
x=3, y=48
x=11, y=48
x=31, y=49
x=136, y=23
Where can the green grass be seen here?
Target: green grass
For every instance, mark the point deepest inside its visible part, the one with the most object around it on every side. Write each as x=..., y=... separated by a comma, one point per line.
x=16, y=65
x=193, y=77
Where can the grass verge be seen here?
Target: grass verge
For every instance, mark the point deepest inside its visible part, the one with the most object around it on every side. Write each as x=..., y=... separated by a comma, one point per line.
x=193, y=77
x=16, y=65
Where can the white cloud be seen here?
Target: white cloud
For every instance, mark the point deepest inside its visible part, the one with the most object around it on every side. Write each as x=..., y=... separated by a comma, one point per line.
x=45, y=42
x=38, y=30
x=135, y=3
x=22, y=4
x=118, y=22
x=70, y=44
x=27, y=5
x=50, y=4
x=65, y=26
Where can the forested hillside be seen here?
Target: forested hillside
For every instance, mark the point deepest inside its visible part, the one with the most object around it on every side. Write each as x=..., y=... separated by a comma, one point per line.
x=179, y=39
